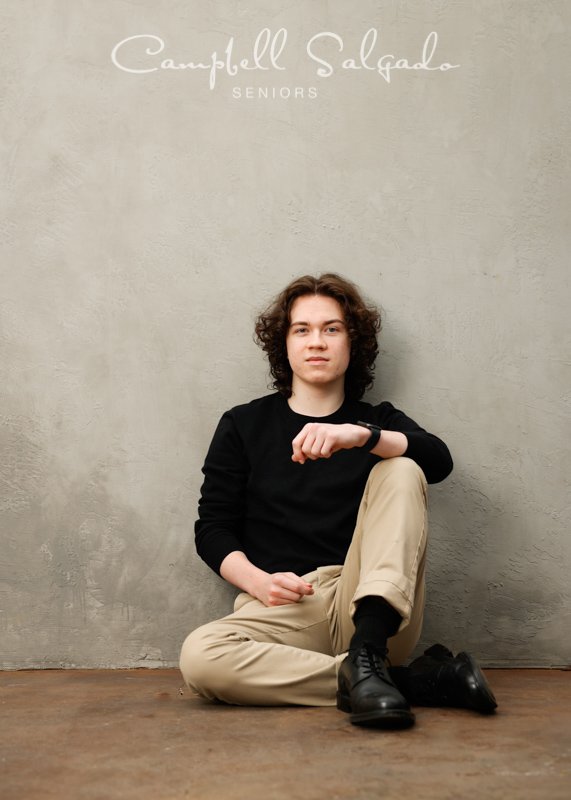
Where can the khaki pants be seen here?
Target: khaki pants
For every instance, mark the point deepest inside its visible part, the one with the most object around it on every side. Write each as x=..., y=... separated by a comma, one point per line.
x=290, y=654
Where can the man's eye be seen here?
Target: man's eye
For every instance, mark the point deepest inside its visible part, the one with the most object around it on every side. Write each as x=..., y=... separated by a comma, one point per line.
x=300, y=330
x=333, y=329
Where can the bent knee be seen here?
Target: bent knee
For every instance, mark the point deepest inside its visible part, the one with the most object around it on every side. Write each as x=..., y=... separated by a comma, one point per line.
x=401, y=470
x=202, y=661
x=195, y=662
x=400, y=465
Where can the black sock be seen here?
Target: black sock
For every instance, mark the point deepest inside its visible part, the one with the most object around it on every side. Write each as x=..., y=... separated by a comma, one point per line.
x=375, y=622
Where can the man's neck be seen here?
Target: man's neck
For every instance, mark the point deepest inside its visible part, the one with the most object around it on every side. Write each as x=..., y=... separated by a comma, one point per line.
x=316, y=401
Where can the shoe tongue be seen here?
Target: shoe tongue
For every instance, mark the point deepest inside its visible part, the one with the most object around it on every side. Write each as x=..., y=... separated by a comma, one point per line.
x=375, y=650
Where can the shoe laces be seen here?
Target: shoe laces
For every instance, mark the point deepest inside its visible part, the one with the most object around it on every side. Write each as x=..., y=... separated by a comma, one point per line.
x=373, y=661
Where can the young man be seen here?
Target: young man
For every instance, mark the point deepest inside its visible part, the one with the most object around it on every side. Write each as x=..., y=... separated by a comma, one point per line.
x=314, y=505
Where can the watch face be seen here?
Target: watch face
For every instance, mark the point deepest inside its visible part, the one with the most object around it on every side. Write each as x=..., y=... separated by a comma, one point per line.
x=369, y=425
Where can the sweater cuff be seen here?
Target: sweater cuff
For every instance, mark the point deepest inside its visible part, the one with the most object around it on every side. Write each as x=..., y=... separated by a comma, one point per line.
x=417, y=449
x=430, y=453
x=218, y=550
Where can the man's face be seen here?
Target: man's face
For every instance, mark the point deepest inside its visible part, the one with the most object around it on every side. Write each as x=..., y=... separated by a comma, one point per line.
x=318, y=345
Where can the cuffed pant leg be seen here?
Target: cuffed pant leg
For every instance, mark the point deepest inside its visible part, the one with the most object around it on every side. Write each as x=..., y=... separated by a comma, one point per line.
x=387, y=554
x=264, y=656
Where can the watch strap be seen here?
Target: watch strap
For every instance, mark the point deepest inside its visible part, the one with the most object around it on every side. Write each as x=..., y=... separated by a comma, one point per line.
x=373, y=440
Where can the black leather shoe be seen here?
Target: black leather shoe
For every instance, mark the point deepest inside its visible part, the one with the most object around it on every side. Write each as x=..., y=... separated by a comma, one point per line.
x=438, y=678
x=365, y=690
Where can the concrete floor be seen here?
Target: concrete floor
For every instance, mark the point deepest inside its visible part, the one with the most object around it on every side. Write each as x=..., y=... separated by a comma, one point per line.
x=137, y=734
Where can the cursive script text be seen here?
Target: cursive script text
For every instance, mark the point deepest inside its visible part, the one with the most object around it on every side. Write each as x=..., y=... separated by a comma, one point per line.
x=266, y=47
x=267, y=51
x=384, y=64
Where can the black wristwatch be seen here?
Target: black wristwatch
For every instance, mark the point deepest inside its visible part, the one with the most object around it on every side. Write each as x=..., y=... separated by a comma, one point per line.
x=373, y=441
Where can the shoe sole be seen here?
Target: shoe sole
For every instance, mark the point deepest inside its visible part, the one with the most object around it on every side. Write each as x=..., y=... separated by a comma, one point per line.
x=391, y=718
x=485, y=703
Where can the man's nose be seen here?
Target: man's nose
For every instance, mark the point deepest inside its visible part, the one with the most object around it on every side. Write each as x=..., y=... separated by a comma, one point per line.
x=317, y=339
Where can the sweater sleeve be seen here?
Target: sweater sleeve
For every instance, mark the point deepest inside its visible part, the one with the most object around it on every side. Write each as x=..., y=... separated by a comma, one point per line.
x=426, y=449
x=221, y=507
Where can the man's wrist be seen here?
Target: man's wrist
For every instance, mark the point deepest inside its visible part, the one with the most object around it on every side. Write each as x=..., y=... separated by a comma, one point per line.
x=255, y=581
x=374, y=437
x=238, y=570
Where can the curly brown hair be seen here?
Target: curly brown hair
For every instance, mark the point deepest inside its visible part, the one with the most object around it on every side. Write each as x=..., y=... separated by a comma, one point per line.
x=363, y=324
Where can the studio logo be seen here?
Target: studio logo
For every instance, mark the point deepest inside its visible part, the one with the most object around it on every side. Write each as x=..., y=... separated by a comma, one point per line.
x=145, y=53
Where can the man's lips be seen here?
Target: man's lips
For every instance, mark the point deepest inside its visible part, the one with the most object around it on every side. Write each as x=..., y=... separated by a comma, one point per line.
x=318, y=359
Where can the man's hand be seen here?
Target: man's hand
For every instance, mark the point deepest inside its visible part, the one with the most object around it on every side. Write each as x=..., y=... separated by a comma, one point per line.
x=276, y=589
x=281, y=588
x=322, y=439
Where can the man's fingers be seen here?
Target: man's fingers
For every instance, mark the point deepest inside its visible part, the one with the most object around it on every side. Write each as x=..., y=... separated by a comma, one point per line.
x=315, y=441
x=279, y=596
x=314, y=448
x=298, y=442
x=312, y=443
x=281, y=588
x=289, y=587
x=292, y=582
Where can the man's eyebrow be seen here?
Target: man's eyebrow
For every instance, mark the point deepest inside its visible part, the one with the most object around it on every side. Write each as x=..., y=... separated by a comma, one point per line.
x=327, y=322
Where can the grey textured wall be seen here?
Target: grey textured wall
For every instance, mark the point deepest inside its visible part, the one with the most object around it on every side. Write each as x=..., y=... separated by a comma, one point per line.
x=145, y=219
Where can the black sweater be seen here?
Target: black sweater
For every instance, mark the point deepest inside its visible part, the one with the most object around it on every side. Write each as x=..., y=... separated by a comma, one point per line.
x=284, y=515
